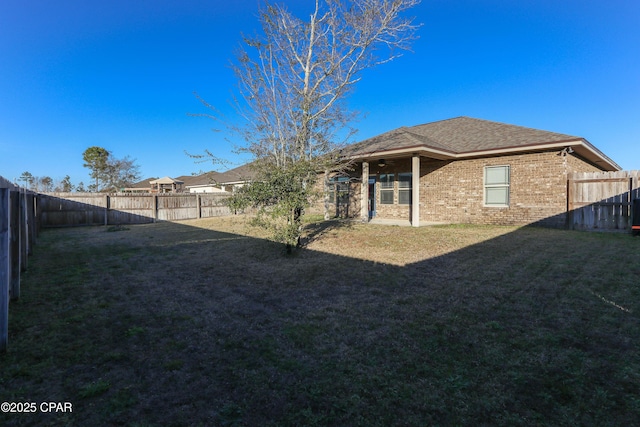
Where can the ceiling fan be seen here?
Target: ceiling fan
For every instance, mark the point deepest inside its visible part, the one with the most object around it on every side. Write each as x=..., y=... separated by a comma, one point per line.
x=382, y=163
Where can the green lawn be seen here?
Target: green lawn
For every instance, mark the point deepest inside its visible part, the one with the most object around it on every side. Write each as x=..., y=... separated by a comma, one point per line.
x=207, y=322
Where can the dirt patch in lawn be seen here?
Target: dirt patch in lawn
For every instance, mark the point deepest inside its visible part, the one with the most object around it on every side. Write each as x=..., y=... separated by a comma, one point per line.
x=208, y=322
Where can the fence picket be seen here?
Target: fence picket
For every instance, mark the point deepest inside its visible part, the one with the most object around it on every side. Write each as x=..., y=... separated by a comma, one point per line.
x=601, y=200
x=5, y=264
x=14, y=243
x=73, y=209
x=18, y=228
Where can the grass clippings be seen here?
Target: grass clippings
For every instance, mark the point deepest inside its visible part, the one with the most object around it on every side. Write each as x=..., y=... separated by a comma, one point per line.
x=207, y=322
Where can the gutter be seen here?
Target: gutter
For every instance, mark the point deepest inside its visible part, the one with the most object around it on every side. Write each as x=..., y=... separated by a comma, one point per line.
x=580, y=145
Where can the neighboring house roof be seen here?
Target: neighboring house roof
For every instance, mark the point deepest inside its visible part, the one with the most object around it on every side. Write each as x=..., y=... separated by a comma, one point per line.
x=237, y=175
x=207, y=178
x=464, y=137
x=145, y=183
x=240, y=174
x=166, y=180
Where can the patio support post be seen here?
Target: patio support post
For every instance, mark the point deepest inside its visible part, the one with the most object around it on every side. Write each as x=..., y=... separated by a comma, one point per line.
x=364, y=193
x=326, y=194
x=415, y=191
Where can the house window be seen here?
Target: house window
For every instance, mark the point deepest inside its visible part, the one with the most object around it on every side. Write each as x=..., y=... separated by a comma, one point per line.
x=496, y=185
x=330, y=189
x=338, y=189
x=404, y=188
x=386, y=188
x=342, y=190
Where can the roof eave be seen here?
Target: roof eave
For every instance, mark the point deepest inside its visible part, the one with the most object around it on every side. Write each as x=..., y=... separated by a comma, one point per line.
x=398, y=152
x=581, y=146
x=597, y=157
x=240, y=181
x=200, y=185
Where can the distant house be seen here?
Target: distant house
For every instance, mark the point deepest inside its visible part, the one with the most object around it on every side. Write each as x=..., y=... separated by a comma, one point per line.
x=237, y=177
x=221, y=181
x=140, y=187
x=166, y=185
x=155, y=185
x=208, y=182
x=203, y=183
x=463, y=170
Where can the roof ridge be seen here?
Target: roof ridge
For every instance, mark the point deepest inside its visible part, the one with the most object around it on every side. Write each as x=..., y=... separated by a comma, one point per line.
x=523, y=127
x=437, y=121
x=462, y=134
x=425, y=140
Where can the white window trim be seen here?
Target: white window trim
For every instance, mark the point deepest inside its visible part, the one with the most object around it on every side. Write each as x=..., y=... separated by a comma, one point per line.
x=332, y=191
x=387, y=190
x=485, y=186
x=409, y=188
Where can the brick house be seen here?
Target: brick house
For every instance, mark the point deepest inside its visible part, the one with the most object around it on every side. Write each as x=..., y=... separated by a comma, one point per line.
x=463, y=170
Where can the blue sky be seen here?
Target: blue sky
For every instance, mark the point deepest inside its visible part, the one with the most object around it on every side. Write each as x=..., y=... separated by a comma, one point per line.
x=121, y=75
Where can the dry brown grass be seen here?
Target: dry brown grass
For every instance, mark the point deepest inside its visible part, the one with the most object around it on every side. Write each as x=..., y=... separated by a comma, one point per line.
x=207, y=322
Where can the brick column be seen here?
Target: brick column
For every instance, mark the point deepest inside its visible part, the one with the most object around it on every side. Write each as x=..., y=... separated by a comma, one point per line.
x=364, y=193
x=415, y=191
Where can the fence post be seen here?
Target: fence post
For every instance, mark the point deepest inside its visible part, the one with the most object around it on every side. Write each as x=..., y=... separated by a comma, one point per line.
x=4, y=268
x=24, y=232
x=569, y=218
x=14, y=242
x=155, y=208
x=198, y=206
x=106, y=209
x=37, y=215
x=630, y=201
x=32, y=221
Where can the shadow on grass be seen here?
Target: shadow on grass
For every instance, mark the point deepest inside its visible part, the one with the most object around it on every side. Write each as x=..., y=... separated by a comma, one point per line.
x=175, y=324
x=316, y=230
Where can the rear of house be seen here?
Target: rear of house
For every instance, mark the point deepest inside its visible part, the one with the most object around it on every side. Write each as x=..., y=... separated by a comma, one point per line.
x=463, y=170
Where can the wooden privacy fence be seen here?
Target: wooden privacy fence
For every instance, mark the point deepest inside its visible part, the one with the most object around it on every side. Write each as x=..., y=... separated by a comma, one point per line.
x=18, y=229
x=72, y=209
x=602, y=200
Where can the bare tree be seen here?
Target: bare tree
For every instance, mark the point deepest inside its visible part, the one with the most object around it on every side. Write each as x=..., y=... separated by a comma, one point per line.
x=64, y=185
x=293, y=80
x=110, y=173
x=121, y=173
x=46, y=182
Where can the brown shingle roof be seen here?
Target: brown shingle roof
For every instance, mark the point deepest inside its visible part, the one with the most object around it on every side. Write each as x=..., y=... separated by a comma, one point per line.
x=206, y=178
x=240, y=174
x=145, y=183
x=166, y=180
x=457, y=136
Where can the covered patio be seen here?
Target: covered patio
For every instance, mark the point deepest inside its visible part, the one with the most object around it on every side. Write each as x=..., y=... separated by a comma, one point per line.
x=166, y=185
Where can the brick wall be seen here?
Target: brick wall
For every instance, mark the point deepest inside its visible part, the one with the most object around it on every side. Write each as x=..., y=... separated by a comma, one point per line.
x=453, y=191
x=342, y=209
x=576, y=164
